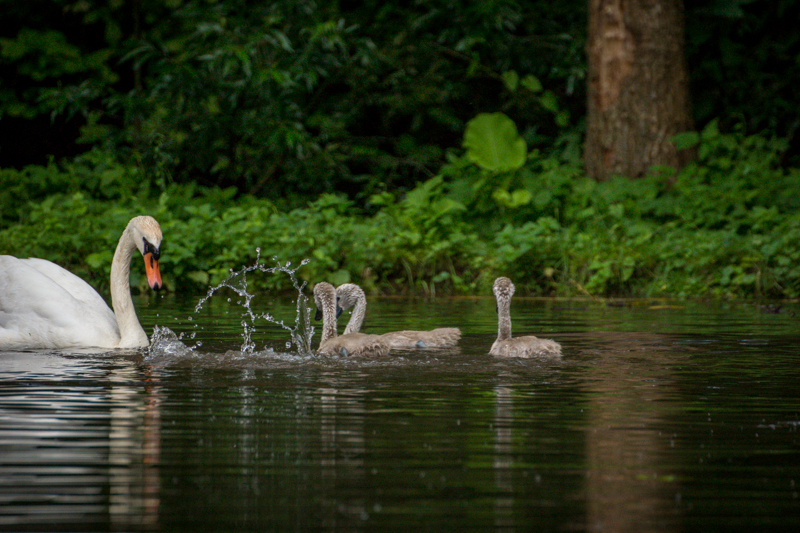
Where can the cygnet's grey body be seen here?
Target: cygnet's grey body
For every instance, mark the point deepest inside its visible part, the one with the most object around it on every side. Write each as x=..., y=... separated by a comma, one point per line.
x=351, y=295
x=507, y=346
x=356, y=344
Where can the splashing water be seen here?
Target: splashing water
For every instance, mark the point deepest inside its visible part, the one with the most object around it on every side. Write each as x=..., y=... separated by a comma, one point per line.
x=302, y=331
x=166, y=343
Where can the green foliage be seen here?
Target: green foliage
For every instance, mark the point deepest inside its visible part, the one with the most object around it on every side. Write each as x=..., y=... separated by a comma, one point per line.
x=43, y=57
x=291, y=99
x=424, y=234
x=321, y=130
x=492, y=143
x=287, y=99
x=743, y=63
x=727, y=225
x=498, y=181
x=229, y=93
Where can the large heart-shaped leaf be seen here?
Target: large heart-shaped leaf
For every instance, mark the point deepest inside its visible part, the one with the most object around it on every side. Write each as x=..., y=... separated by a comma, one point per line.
x=493, y=143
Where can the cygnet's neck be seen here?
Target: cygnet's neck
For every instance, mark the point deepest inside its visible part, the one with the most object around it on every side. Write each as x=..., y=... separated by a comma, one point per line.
x=359, y=312
x=328, y=321
x=503, y=319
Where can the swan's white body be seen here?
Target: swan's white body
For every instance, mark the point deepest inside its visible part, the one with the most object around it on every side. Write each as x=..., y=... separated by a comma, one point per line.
x=45, y=306
x=351, y=295
x=507, y=346
x=357, y=344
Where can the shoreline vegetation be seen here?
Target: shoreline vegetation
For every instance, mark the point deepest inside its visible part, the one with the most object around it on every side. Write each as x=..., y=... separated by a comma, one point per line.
x=725, y=226
x=421, y=148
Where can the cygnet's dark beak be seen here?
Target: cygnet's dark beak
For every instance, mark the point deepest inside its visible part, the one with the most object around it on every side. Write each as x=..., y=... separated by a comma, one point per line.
x=318, y=314
x=338, y=311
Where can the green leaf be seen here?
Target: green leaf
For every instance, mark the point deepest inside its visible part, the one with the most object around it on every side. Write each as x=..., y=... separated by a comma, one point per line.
x=542, y=198
x=562, y=118
x=339, y=277
x=199, y=276
x=512, y=200
x=520, y=197
x=97, y=260
x=511, y=80
x=685, y=140
x=531, y=83
x=493, y=143
x=548, y=101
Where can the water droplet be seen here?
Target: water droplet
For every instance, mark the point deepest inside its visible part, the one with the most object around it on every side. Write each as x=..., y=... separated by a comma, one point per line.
x=300, y=333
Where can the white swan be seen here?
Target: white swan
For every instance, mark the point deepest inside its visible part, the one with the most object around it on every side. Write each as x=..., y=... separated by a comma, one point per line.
x=507, y=346
x=357, y=344
x=45, y=306
x=351, y=295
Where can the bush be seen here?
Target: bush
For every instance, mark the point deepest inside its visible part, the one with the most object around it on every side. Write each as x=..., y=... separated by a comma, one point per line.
x=725, y=226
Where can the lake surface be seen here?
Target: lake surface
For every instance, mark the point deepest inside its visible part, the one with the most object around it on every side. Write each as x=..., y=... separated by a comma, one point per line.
x=660, y=416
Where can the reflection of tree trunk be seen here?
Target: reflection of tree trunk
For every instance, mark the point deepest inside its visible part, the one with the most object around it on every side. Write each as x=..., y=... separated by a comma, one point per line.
x=638, y=91
x=625, y=488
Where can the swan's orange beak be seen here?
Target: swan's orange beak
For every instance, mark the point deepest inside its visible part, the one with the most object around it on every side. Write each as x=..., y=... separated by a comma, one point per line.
x=153, y=273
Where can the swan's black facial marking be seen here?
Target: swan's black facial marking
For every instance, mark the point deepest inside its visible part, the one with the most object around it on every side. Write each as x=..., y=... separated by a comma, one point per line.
x=150, y=249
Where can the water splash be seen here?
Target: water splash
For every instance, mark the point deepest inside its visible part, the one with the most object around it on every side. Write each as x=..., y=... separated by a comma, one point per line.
x=165, y=343
x=302, y=331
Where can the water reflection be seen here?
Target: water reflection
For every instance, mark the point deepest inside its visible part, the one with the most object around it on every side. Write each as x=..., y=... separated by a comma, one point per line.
x=629, y=487
x=655, y=419
x=342, y=452
x=503, y=459
x=80, y=441
x=134, y=449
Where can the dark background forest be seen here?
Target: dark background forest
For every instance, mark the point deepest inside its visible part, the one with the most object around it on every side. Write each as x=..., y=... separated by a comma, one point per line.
x=363, y=110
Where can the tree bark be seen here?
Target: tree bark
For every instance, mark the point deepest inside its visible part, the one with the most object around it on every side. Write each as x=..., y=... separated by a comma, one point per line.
x=638, y=88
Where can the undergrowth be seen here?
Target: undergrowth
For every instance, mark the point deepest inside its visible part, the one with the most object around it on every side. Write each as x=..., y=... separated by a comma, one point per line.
x=726, y=226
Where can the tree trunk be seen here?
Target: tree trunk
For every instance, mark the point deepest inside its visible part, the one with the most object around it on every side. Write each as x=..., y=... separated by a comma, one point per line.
x=638, y=89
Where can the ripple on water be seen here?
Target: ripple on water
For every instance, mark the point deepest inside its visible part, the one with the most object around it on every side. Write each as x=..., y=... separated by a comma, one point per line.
x=655, y=418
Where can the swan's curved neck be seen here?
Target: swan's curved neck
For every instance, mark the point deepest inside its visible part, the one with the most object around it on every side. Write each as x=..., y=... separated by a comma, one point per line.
x=359, y=311
x=503, y=319
x=130, y=330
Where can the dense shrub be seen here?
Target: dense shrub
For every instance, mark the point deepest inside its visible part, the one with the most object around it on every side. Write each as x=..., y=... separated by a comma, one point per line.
x=724, y=226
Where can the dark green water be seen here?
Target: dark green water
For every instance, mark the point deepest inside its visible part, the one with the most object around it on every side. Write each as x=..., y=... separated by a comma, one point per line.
x=657, y=418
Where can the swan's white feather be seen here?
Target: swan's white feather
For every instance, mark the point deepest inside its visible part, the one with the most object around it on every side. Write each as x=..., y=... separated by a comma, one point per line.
x=45, y=306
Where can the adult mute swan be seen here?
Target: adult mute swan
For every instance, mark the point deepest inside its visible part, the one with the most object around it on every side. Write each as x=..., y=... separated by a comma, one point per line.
x=45, y=306
x=507, y=346
x=357, y=344
x=351, y=295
